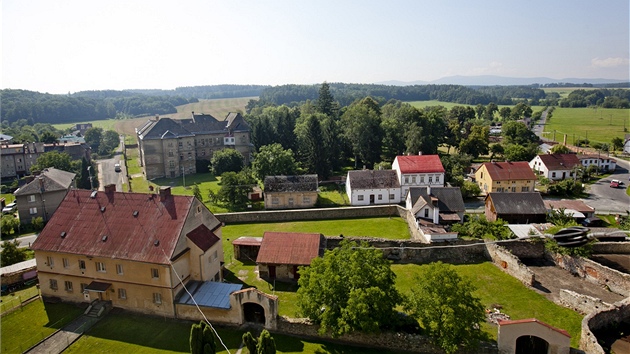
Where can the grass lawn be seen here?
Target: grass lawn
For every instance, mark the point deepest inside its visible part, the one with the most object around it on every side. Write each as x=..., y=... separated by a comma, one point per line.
x=598, y=125
x=14, y=299
x=497, y=287
x=23, y=328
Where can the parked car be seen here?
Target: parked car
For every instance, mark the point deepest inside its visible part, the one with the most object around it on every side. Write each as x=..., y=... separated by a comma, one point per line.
x=10, y=208
x=614, y=184
x=592, y=222
x=117, y=167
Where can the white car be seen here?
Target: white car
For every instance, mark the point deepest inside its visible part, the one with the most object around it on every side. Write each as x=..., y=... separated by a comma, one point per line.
x=117, y=167
x=9, y=208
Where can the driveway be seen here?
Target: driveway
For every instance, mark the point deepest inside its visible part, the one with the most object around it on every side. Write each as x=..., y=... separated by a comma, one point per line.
x=611, y=200
x=106, y=172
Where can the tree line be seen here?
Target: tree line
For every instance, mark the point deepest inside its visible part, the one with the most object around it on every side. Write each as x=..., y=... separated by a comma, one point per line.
x=605, y=98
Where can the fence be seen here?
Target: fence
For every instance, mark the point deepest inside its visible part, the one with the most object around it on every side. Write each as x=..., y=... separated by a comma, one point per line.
x=23, y=297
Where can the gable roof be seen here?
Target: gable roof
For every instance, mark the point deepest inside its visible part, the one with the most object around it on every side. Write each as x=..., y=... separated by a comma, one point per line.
x=419, y=164
x=560, y=161
x=290, y=248
x=449, y=199
x=236, y=122
x=373, y=179
x=50, y=180
x=526, y=203
x=507, y=171
x=163, y=127
x=572, y=204
x=533, y=320
x=203, y=237
x=296, y=183
x=105, y=225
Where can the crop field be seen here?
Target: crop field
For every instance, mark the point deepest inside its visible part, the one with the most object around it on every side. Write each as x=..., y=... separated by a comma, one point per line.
x=595, y=124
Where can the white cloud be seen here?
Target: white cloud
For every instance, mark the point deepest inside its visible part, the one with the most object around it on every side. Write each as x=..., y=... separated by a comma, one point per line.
x=609, y=62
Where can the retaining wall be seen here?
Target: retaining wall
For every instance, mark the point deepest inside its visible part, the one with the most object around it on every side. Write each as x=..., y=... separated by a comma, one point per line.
x=583, y=304
x=601, y=320
x=510, y=264
x=614, y=280
x=310, y=214
x=611, y=248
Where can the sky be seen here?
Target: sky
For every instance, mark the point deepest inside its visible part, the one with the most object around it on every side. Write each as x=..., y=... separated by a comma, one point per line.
x=62, y=46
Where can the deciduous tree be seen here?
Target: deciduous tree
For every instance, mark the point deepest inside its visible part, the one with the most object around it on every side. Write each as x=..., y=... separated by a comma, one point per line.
x=226, y=160
x=351, y=288
x=444, y=304
x=11, y=253
x=273, y=160
x=55, y=159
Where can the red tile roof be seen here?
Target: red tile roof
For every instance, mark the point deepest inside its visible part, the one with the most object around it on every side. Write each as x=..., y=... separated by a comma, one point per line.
x=508, y=171
x=150, y=236
x=420, y=164
x=560, y=161
x=202, y=237
x=289, y=248
x=533, y=320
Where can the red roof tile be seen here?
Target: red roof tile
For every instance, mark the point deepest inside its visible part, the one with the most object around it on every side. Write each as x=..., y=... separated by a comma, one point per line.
x=560, y=161
x=202, y=237
x=84, y=221
x=289, y=248
x=420, y=164
x=508, y=171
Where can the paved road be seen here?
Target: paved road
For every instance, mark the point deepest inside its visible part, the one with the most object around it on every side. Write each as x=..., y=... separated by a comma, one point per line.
x=107, y=174
x=24, y=242
x=611, y=200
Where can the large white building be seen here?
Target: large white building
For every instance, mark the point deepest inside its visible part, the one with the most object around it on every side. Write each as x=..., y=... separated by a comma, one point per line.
x=418, y=171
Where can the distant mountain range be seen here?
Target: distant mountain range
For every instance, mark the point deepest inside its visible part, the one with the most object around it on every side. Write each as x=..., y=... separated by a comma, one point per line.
x=491, y=80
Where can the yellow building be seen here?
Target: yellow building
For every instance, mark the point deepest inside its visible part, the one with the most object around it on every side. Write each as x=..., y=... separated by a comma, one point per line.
x=510, y=177
x=134, y=250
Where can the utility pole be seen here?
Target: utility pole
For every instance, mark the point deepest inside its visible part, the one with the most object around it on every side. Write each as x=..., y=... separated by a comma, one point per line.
x=183, y=176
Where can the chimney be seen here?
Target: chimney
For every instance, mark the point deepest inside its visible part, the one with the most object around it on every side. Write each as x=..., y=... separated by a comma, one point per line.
x=110, y=189
x=419, y=152
x=165, y=192
x=157, y=117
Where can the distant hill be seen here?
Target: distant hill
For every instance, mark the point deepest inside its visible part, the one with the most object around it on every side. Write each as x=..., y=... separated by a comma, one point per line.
x=491, y=80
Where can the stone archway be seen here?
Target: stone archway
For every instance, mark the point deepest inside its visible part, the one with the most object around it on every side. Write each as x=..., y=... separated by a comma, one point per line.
x=531, y=345
x=253, y=313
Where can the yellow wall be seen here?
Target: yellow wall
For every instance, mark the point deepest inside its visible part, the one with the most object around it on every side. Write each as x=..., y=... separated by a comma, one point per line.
x=283, y=200
x=487, y=185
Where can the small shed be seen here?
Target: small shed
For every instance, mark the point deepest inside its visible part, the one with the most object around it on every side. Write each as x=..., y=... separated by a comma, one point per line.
x=532, y=336
x=516, y=208
x=246, y=248
x=281, y=253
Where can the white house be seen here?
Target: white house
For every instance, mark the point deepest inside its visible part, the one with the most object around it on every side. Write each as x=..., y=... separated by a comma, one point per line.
x=555, y=166
x=370, y=187
x=626, y=144
x=438, y=205
x=603, y=163
x=418, y=171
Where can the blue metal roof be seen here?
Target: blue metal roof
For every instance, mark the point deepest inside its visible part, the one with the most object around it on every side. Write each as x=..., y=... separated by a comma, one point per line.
x=210, y=294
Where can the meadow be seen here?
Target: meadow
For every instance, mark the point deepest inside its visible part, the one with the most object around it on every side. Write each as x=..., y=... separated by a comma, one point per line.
x=595, y=124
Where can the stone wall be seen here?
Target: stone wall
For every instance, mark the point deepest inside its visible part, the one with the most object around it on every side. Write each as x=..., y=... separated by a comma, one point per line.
x=386, y=340
x=583, y=304
x=600, y=320
x=614, y=280
x=525, y=249
x=611, y=248
x=310, y=214
x=510, y=264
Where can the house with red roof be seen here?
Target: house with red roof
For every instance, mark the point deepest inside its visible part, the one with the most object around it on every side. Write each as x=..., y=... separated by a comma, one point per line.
x=281, y=253
x=555, y=166
x=135, y=251
x=505, y=177
x=418, y=171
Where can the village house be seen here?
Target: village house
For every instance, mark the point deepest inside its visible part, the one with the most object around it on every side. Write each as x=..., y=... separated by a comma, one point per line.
x=555, y=166
x=418, y=171
x=290, y=192
x=441, y=206
x=17, y=159
x=626, y=144
x=603, y=163
x=170, y=148
x=134, y=250
x=513, y=177
x=515, y=208
x=42, y=195
x=282, y=253
x=369, y=187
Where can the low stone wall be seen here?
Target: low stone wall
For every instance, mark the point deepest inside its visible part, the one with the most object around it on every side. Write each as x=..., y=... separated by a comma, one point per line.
x=525, y=249
x=510, y=264
x=614, y=280
x=600, y=320
x=309, y=214
x=385, y=340
x=583, y=304
x=611, y=248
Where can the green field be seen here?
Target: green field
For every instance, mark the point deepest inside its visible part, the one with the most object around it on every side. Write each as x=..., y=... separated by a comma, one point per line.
x=595, y=124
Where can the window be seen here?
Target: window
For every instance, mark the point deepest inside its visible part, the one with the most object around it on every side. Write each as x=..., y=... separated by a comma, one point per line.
x=426, y=212
x=524, y=189
x=83, y=286
x=553, y=174
x=215, y=255
x=274, y=200
x=81, y=264
x=155, y=273
x=31, y=198
x=53, y=284
x=68, y=286
x=180, y=144
x=100, y=267
x=359, y=197
x=421, y=179
x=157, y=298
x=66, y=263
x=122, y=294
x=119, y=269
x=391, y=196
x=171, y=164
x=430, y=179
x=32, y=211
x=380, y=197
x=406, y=179
x=290, y=201
x=170, y=153
x=50, y=261
x=437, y=179
x=306, y=200
x=413, y=179
x=513, y=189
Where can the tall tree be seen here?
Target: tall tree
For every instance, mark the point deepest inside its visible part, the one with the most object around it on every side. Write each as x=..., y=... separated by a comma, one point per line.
x=325, y=100
x=272, y=160
x=110, y=141
x=517, y=133
x=505, y=113
x=235, y=187
x=94, y=137
x=11, y=253
x=490, y=110
x=476, y=143
x=444, y=304
x=313, y=152
x=226, y=160
x=332, y=142
x=56, y=159
x=362, y=128
x=349, y=289
x=521, y=110
x=202, y=339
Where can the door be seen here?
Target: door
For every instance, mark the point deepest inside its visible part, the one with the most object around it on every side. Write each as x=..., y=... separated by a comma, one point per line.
x=371, y=198
x=296, y=273
x=272, y=272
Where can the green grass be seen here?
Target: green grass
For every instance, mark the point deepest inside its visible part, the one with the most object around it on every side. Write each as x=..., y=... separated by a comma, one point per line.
x=14, y=299
x=497, y=287
x=332, y=195
x=25, y=327
x=598, y=125
x=106, y=124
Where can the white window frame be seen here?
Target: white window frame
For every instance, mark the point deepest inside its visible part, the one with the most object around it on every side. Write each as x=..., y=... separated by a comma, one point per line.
x=119, y=269
x=66, y=262
x=32, y=210
x=50, y=261
x=155, y=273
x=100, y=267
x=53, y=284
x=68, y=286
x=31, y=198
x=157, y=298
x=122, y=294
x=360, y=197
x=81, y=264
